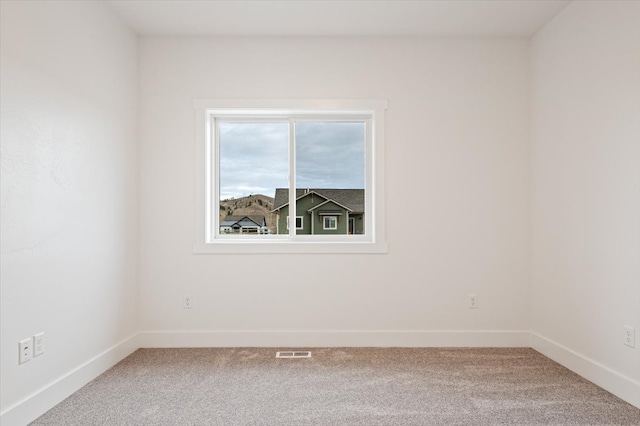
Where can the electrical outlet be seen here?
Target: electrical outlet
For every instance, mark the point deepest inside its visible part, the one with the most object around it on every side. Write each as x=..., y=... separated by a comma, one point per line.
x=187, y=302
x=38, y=344
x=26, y=350
x=473, y=301
x=629, y=336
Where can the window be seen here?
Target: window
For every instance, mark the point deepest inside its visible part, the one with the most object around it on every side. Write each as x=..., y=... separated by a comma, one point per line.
x=298, y=222
x=261, y=161
x=330, y=222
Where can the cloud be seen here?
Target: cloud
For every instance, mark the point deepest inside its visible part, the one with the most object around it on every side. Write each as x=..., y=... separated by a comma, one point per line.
x=254, y=156
x=330, y=154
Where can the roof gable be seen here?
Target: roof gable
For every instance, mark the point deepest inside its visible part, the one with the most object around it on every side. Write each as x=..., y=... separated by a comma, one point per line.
x=330, y=202
x=231, y=220
x=352, y=199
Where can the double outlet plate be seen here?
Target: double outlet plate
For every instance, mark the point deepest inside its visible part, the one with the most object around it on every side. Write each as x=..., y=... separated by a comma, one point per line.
x=29, y=348
x=629, y=336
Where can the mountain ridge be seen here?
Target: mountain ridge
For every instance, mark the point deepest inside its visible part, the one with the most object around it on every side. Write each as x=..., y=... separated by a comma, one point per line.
x=253, y=204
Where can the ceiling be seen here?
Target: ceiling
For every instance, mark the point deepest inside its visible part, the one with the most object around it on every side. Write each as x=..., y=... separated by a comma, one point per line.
x=445, y=18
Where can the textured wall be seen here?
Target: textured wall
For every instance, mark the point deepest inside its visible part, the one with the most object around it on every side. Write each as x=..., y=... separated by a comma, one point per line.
x=457, y=186
x=69, y=187
x=586, y=182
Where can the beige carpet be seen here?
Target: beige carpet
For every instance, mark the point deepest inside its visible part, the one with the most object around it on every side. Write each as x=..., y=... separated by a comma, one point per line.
x=340, y=386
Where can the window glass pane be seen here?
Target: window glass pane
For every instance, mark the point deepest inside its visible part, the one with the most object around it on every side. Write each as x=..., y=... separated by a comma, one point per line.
x=330, y=176
x=253, y=162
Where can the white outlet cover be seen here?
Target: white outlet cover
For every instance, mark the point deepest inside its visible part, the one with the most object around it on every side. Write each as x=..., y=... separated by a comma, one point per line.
x=187, y=302
x=629, y=336
x=473, y=301
x=38, y=344
x=25, y=348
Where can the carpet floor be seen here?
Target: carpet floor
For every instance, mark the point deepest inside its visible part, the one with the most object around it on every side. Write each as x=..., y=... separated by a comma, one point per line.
x=340, y=386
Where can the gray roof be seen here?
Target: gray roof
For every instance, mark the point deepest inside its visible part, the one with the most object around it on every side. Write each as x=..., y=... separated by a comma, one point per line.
x=351, y=198
x=233, y=219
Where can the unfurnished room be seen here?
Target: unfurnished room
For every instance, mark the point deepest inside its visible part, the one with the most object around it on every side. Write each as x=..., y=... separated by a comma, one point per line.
x=319, y=212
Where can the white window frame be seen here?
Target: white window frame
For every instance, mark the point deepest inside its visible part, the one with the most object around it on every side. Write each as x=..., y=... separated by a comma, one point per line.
x=335, y=223
x=208, y=239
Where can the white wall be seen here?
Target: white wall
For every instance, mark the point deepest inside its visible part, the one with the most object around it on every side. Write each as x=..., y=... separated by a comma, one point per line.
x=69, y=196
x=458, y=164
x=457, y=194
x=586, y=191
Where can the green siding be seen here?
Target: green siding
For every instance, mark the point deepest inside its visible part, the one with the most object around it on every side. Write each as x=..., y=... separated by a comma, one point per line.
x=313, y=200
x=318, y=219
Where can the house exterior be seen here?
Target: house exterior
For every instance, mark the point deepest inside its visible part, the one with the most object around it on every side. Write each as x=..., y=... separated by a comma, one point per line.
x=321, y=211
x=249, y=224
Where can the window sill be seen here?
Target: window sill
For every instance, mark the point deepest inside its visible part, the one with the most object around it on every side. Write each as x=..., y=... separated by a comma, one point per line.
x=289, y=247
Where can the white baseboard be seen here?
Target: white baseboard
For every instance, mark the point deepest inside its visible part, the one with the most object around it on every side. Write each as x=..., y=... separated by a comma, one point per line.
x=190, y=339
x=42, y=400
x=621, y=386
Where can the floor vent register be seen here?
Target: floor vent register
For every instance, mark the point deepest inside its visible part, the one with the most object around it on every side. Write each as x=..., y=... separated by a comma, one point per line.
x=293, y=354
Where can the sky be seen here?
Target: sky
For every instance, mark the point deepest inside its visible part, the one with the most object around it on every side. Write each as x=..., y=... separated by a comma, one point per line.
x=254, y=157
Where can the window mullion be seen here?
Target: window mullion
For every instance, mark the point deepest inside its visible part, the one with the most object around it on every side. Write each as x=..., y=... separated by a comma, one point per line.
x=293, y=216
x=212, y=196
